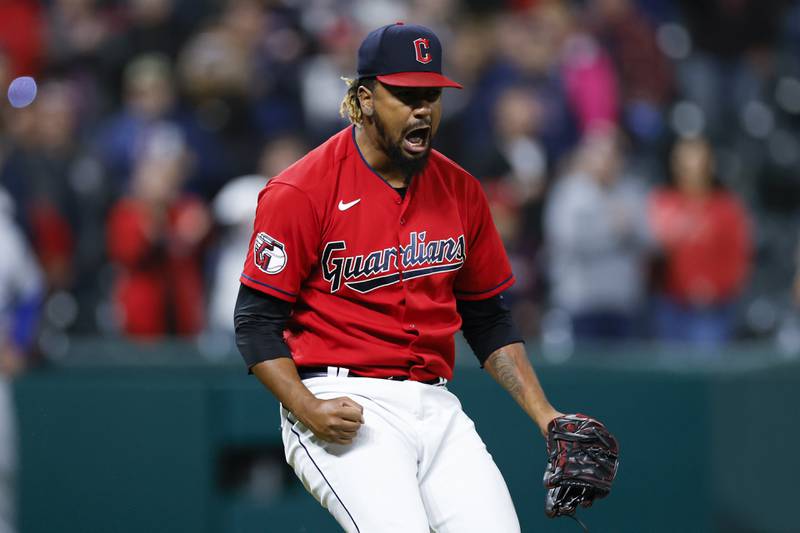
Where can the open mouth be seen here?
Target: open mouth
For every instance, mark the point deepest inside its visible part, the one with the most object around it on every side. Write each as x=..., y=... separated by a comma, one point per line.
x=416, y=141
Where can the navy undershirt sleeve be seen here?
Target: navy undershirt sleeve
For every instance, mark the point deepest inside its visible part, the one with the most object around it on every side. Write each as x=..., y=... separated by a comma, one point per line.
x=259, y=320
x=487, y=325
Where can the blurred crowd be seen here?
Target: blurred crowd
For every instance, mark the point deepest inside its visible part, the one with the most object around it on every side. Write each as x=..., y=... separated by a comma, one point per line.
x=641, y=157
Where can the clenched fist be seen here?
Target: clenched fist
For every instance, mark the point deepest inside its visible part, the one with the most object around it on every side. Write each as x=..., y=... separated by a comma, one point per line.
x=337, y=420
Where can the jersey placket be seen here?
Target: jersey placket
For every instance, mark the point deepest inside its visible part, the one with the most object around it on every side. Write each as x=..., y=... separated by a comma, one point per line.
x=403, y=240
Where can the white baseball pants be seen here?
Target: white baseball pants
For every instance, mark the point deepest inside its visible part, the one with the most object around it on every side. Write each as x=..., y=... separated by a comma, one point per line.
x=417, y=464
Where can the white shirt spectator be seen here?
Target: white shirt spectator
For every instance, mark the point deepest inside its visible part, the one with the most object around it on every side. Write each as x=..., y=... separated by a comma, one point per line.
x=598, y=239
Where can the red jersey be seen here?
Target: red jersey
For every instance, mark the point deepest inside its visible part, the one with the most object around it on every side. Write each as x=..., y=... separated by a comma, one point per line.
x=707, y=244
x=157, y=289
x=374, y=276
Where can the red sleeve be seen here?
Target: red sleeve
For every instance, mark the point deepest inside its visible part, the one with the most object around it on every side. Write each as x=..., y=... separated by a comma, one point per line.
x=487, y=270
x=129, y=241
x=285, y=242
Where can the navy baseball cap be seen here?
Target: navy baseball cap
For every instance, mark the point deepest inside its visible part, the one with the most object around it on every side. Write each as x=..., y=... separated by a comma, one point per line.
x=404, y=55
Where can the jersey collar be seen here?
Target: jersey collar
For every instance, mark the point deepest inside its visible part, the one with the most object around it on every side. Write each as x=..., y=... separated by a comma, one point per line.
x=358, y=150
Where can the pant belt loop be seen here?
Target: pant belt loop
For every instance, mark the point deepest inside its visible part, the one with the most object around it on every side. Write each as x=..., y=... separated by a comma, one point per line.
x=343, y=372
x=333, y=371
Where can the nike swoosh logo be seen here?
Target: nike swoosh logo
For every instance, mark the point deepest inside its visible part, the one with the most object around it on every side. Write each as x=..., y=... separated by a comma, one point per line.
x=345, y=206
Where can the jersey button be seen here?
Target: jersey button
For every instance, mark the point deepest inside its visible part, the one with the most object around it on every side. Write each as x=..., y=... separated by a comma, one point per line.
x=402, y=221
x=398, y=201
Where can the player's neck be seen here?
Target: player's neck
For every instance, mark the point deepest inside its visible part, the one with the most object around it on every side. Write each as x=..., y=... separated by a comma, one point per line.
x=378, y=160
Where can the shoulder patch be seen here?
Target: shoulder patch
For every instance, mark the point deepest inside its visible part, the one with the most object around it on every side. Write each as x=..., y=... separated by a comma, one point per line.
x=269, y=254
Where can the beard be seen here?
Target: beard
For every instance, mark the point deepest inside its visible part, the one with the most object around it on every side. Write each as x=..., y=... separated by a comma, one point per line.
x=410, y=166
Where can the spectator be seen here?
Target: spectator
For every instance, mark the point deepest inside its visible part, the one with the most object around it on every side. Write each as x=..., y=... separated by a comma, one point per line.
x=320, y=78
x=590, y=83
x=155, y=237
x=703, y=231
x=62, y=195
x=527, y=49
x=21, y=290
x=241, y=80
x=277, y=49
x=149, y=27
x=77, y=34
x=21, y=31
x=596, y=230
x=513, y=168
x=20, y=297
x=151, y=99
x=515, y=154
x=645, y=76
x=234, y=211
x=733, y=60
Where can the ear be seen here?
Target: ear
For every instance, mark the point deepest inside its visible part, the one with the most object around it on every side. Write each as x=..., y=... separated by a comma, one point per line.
x=366, y=100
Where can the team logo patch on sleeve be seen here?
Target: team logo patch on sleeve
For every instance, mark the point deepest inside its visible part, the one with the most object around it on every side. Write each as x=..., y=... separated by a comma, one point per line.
x=269, y=254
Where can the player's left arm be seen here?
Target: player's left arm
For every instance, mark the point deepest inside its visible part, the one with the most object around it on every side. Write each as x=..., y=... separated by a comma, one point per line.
x=486, y=319
x=511, y=368
x=582, y=454
x=489, y=329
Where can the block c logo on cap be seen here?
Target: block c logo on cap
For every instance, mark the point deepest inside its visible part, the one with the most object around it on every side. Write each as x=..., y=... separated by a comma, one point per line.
x=422, y=48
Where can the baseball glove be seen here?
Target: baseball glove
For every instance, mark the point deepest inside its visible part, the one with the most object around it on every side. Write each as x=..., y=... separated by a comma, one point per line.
x=582, y=462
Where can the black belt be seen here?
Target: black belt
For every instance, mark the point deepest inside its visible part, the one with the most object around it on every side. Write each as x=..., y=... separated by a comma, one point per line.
x=336, y=371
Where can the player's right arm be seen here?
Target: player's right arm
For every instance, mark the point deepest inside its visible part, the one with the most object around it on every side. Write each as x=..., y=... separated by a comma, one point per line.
x=259, y=320
x=336, y=420
x=283, y=250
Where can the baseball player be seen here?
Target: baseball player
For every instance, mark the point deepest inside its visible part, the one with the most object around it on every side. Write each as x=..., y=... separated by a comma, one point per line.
x=367, y=255
x=21, y=290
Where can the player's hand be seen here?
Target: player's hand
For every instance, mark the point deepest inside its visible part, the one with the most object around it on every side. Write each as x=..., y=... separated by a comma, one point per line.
x=337, y=420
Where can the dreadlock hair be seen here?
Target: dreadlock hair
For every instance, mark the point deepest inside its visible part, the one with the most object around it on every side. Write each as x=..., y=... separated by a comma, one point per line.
x=351, y=107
